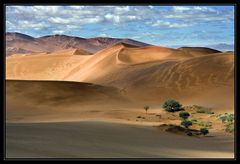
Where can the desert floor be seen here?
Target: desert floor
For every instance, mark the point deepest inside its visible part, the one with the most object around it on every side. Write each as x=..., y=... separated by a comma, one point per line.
x=97, y=139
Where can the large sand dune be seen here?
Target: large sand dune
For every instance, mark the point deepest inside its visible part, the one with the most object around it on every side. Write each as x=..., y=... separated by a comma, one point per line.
x=162, y=73
x=192, y=75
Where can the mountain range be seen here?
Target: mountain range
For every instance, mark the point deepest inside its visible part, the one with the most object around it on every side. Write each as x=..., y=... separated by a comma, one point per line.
x=18, y=43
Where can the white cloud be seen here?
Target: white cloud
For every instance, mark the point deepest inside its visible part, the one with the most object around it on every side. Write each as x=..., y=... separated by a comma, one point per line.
x=36, y=26
x=180, y=8
x=58, y=31
x=151, y=7
x=113, y=18
x=121, y=10
x=104, y=35
x=91, y=20
x=77, y=7
x=58, y=20
x=161, y=23
x=123, y=18
x=203, y=8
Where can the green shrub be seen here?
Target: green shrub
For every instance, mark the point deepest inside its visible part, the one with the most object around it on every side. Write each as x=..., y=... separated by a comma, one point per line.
x=189, y=133
x=146, y=107
x=227, y=117
x=172, y=105
x=184, y=115
x=228, y=121
x=204, y=131
x=201, y=109
x=201, y=123
x=186, y=123
x=229, y=127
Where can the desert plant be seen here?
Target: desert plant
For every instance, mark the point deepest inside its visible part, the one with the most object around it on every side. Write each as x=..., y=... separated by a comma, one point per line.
x=172, y=105
x=146, y=107
x=184, y=115
x=201, y=123
x=204, y=131
x=186, y=123
x=229, y=127
x=228, y=121
x=201, y=109
x=189, y=133
x=227, y=117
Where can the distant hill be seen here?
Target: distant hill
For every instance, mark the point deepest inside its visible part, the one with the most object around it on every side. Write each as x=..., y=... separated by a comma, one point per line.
x=20, y=43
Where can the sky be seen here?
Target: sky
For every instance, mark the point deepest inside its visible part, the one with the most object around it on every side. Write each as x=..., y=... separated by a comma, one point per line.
x=171, y=26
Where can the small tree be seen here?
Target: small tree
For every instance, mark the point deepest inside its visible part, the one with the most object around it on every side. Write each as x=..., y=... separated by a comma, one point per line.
x=204, y=131
x=184, y=115
x=186, y=123
x=172, y=105
x=146, y=107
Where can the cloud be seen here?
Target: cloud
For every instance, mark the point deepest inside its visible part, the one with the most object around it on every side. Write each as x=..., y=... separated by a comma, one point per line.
x=119, y=19
x=180, y=8
x=104, y=35
x=95, y=19
x=36, y=26
x=121, y=10
x=112, y=18
x=77, y=7
x=150, y=23
x=151, y=7
x=161, y=23
x=58, y=20
x=58, y=31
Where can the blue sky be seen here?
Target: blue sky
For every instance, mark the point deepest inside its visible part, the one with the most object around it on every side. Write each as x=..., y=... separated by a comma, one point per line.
x=170, y=26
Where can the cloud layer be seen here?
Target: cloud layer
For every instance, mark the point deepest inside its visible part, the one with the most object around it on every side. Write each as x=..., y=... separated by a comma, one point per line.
x=161, y=25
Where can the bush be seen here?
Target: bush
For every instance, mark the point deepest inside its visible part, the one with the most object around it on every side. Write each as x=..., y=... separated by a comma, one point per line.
x=184, y=115
x=204, y=131
x=201, y=123
x=201, y=109
x=227, y=117
x=189, y=133
x=172, y=105
x=229, y=127
x=146, y=107
x=228, y=120
x=186, y=123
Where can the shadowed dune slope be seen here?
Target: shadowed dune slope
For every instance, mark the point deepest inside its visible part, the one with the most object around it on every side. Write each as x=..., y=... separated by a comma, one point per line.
x=53, y=100
x=195, y=51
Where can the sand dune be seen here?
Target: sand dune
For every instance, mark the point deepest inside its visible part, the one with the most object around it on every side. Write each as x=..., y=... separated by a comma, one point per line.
x=188, y=74
x=161, y=75
x=196, y=51
x=38, y=101
x=44, y=66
